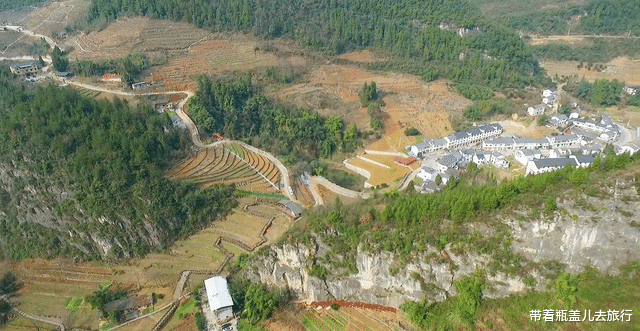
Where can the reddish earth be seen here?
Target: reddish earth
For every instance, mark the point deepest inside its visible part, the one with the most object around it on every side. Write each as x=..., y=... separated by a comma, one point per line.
x=347, y=304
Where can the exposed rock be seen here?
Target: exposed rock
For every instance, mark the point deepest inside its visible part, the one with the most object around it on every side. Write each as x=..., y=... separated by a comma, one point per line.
x=603, y=236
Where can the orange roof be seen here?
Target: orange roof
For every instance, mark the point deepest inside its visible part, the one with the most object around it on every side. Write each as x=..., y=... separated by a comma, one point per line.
x=404, y=161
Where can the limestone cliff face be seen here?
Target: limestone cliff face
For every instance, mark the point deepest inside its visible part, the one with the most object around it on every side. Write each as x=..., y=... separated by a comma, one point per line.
x=603, y=234
x=288, y=265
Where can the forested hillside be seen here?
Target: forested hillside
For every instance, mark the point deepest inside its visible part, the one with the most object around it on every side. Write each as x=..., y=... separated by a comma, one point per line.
x=595, y=16
x=17, y=4
x=236, y=108
x=408, y=29
x=83, y=178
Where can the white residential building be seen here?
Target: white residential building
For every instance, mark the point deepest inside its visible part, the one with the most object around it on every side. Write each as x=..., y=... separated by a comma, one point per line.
x=457, y=139
x=536, y=110
x=498, y=143
x=499, y=160
x=563, y=140
x=630, y=90
x=631, y=147
x=559, y=120
x=550, y=92
x=427, y=174
x=583, y=161
x=539, y=166
x=526, y=155
x=220, y=301
x=449, y=161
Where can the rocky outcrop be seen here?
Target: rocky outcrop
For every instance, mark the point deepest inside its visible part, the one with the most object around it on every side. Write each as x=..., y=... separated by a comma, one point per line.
x=376, y=281
x=583, y=232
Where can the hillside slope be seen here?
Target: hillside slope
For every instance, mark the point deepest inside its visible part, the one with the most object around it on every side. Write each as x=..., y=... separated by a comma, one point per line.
x=430, y=38
x=82, y=178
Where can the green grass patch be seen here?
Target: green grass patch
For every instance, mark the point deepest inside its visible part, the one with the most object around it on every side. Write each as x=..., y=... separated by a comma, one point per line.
x=596, y=291
x=633, y=109
x=243, y=325
x=148, y=311
x=241, y=193
x=186, y=309
x=73, y=303
x=237, y=150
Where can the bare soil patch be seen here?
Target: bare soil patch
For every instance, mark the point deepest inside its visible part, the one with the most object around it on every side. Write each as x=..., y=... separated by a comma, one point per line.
x=407, y=100
x=622, y=68
x=524, y=129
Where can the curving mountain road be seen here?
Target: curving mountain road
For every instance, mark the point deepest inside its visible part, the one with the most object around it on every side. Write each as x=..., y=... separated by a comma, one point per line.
x=193, y=129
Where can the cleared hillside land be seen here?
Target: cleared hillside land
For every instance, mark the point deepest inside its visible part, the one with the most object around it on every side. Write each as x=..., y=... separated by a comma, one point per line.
x=622, y=68
x=407, y=102
x=229, y=165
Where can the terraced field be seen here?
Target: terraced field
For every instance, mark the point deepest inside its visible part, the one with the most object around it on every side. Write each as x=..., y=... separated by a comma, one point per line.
x=352, y=319
x=229, y=165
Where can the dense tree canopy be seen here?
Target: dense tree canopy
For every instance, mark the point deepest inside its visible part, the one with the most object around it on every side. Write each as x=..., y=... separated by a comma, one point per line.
x=408, y=29
x=238, y=110
x=107, y=158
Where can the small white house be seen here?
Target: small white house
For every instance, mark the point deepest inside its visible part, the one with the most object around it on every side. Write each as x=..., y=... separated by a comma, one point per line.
x=559, y=120
x=536, y=110
x=574, y=114
x=630, y=90
x=549, y=92
x=526, y=155
x=220, y=301
x=427, y=174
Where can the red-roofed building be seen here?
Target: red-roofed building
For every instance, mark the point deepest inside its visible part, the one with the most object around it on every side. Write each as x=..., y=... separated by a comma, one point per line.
x=111, y=78
x=405, y=161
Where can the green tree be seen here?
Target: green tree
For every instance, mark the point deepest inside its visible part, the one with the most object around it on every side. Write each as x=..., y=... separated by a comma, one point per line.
x=60, y=61
x=469, y=298
x=259, y=303
x=411, y=132
x=566, y=287
x=550, y=204
x=579, y=176
x=438, y=179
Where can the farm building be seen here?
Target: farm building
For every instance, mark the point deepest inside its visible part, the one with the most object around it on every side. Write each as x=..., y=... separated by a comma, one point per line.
x=290, y=208
x=129, y=308
x=24, y=69
x=220, y=301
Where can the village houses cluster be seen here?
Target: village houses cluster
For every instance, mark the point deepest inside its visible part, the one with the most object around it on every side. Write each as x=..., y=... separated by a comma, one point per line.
x=579, y=142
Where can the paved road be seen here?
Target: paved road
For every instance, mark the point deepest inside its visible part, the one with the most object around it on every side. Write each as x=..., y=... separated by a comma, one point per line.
x=625, y=136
